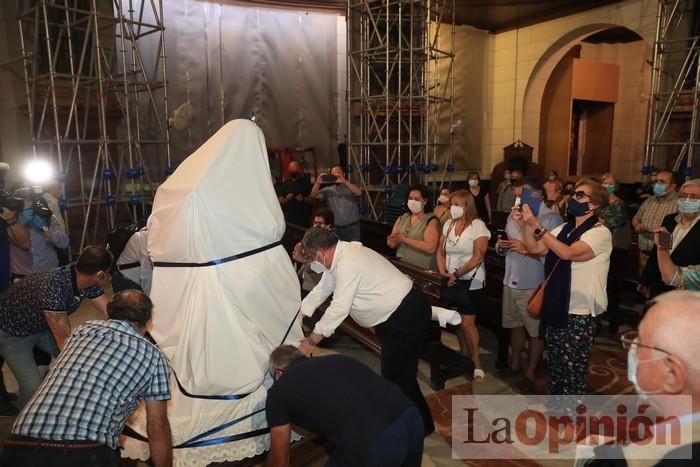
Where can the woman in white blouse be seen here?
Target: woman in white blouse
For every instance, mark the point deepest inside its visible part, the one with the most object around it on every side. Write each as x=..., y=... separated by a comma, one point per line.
x=460, y=258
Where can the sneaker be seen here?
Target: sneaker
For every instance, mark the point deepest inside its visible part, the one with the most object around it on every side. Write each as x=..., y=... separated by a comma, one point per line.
x=8, y=409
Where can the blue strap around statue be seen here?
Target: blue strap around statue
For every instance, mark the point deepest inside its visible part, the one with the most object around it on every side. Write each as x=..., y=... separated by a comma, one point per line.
x=168, y=264
x=198, y=440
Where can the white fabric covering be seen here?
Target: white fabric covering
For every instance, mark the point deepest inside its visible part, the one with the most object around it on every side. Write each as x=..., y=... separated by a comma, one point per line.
x=218, y=324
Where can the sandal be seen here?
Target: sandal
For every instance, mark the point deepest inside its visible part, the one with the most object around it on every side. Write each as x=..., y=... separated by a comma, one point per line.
x=478, y=374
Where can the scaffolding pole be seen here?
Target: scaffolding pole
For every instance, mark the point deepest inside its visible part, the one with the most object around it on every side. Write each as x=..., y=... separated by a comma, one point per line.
x=400, y=95
x=97, y=107
x=672, y=134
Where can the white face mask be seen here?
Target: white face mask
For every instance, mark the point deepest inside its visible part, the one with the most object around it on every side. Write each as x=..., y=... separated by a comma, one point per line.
x=318, y=267
x=442, y=199
x=473, y=182
x=414, y=206
x=456, y=212
x=632, y=365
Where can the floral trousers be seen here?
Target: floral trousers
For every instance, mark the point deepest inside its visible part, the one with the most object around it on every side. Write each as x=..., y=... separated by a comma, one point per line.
x=568, y=350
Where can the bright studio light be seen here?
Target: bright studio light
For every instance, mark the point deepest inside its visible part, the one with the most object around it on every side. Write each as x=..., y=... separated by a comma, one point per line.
x=38, y=172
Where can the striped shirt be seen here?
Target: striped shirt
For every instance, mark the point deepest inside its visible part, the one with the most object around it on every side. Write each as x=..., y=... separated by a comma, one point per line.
x=651, y=213
x=95, y=384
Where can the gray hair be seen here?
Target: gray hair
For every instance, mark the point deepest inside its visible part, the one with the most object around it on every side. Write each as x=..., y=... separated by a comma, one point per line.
x=318, y=237
x=282, y=356
x=693, y=182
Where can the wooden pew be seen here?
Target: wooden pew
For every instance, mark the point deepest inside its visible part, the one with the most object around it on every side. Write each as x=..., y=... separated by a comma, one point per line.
x=444, y=362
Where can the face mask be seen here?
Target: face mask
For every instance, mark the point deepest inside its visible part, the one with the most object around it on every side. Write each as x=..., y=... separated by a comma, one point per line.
x=507, y=176
x=294, y=174
x=414, y=206
x=610, y=188
x=552, y=178
x=577, y=209
x=318, y=267
x=473, y=182
x=456, y=212
x=442, y=199
x=688, y=206
x=659, y=189
x=632, y=364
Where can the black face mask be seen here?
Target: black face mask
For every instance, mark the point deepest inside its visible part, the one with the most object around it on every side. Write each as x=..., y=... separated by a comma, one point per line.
x=294, y=174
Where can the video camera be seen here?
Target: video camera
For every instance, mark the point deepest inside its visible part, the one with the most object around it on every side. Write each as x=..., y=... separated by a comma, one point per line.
x=39, y=204
x=10, y=202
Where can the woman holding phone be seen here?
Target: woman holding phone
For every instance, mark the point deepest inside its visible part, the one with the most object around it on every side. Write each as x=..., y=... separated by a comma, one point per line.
x=460, y=258
x=576, y=262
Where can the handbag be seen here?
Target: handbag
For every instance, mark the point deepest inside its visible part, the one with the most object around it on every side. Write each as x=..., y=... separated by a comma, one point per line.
x=534, y=304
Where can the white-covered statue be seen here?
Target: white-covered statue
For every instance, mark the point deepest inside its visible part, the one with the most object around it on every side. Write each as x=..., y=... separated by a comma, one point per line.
x=218, y=316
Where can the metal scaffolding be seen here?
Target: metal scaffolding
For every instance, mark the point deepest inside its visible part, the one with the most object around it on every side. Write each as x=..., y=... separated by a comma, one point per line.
x=673, y=126
x=97, y=105
x=400, y=95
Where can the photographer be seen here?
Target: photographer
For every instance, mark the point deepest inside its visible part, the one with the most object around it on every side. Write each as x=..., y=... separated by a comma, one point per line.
x=340, y=197
x=11, y=232
x=45, y=232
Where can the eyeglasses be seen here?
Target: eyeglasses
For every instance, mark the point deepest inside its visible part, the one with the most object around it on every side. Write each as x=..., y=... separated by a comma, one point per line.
x=581, y=194
x=631, y=338
x=688, y=196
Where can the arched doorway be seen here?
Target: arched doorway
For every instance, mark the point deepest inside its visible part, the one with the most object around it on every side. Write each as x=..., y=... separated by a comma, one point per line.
x=610, y=132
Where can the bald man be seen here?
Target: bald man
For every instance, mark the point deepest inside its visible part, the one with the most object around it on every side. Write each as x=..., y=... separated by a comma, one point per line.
x=663, y=361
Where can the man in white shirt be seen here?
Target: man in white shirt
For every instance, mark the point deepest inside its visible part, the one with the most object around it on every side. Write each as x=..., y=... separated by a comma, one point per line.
x=369, y=289
x=134, y=263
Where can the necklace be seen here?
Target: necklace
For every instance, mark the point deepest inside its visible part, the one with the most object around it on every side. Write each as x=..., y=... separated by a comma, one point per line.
x=453, y=243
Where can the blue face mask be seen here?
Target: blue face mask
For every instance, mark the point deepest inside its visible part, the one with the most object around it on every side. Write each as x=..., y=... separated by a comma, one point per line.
x=659, y=189
x=577, y=209
x=688, y=206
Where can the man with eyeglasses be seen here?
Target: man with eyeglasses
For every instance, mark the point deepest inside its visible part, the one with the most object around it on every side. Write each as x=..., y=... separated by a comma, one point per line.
x=662, y=361
x=681, y=250
x=652, y=212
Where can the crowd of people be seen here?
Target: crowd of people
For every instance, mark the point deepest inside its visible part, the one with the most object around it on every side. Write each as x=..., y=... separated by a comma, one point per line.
x=574, y=236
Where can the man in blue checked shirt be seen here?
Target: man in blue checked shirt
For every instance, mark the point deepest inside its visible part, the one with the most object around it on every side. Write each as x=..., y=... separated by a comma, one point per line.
x=106, y=369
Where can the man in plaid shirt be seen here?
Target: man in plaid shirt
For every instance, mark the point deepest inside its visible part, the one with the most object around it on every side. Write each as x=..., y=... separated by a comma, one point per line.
x=105, y=370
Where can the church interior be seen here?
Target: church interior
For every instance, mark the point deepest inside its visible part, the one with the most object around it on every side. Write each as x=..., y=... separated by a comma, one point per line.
x=121, y=105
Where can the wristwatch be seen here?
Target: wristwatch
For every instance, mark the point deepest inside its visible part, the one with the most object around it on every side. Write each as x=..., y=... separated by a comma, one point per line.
x=539, y=232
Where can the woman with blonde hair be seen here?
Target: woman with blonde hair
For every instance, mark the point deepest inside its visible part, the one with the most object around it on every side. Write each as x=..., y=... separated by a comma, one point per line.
x=460, y=258
x=577, y=260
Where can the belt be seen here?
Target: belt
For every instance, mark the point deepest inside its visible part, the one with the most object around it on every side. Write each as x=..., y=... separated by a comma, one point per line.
x=347, y=225
x=40, y=443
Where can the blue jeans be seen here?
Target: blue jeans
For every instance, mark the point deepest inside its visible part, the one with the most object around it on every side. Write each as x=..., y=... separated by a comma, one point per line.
x=18, y=352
